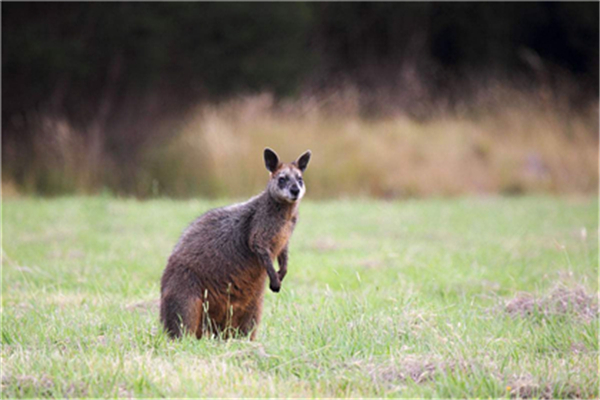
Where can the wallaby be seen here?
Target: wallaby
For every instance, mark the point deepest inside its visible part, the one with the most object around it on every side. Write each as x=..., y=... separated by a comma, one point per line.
x=215, y=278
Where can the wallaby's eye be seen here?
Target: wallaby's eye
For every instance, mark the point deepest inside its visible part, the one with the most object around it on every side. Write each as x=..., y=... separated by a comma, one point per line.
x=282, y=180
x=299, y=180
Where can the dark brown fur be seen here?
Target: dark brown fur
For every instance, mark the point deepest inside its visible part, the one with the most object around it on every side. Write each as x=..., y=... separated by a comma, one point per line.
x=215, y=278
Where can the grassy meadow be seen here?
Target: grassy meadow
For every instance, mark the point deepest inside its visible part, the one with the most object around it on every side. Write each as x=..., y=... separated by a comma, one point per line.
x=463, y=297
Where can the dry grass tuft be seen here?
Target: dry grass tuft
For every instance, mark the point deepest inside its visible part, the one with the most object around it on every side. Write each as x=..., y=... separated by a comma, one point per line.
x=561, y=301
x=418, y=369
x=525, y=387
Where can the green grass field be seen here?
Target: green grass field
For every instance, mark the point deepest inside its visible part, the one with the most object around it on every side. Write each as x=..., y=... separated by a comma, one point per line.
x=469, y=297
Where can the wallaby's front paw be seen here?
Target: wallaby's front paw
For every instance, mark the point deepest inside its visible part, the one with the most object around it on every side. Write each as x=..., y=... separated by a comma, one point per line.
x=275, y=286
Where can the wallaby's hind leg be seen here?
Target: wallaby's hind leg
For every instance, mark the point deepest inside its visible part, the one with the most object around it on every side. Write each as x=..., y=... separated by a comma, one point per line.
x=248, y=324
x=180, y=316
x=195, y=317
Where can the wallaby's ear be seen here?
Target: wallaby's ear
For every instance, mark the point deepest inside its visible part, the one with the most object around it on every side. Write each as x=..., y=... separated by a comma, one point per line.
x=271, y=160
x=302, y=161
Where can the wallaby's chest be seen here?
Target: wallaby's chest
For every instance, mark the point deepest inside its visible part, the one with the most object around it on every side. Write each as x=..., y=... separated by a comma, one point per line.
x=282, y=236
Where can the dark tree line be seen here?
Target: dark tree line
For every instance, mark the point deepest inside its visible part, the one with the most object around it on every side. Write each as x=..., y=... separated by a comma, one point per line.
x=64, y=55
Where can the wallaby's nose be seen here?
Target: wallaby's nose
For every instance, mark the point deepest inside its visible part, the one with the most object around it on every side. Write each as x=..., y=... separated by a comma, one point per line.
x=294, y=190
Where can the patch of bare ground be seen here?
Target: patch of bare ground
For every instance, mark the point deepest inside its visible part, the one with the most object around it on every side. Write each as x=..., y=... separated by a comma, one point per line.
x=560, y=301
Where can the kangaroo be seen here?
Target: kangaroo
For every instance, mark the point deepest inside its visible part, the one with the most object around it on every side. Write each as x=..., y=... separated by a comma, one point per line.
x=214, y=280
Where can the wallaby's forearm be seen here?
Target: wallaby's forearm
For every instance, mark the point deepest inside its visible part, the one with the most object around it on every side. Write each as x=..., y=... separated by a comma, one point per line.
x=265, y=259
x=282, y=260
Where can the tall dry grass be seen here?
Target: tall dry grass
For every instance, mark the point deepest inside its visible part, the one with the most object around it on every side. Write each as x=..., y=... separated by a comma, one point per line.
x=523, y=147
x=514, y=143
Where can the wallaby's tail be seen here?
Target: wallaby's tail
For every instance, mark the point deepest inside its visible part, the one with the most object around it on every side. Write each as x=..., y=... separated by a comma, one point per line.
x=178, y=317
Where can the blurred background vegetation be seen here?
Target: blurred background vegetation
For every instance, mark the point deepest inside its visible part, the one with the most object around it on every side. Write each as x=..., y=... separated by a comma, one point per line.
x=395, y=99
